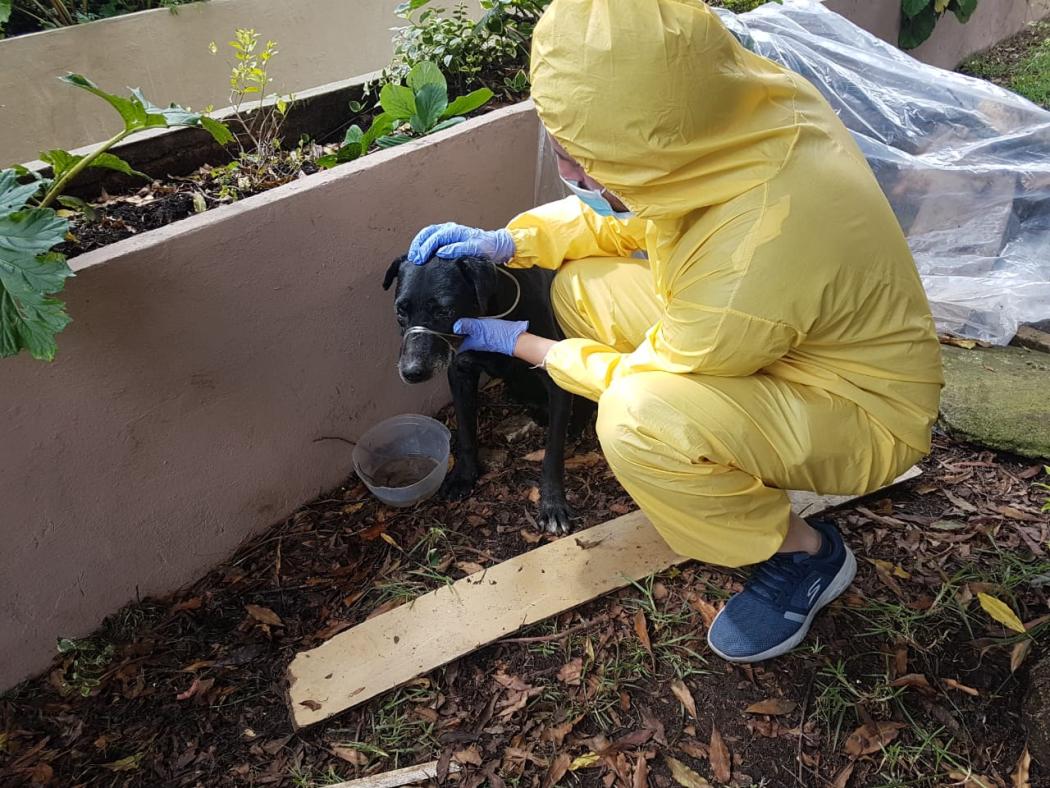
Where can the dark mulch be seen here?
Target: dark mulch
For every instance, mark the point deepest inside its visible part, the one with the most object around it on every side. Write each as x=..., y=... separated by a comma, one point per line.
x=188, y=690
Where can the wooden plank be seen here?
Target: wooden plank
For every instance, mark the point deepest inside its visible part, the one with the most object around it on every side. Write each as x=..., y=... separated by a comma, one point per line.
x=398, y=777
x=449, y=622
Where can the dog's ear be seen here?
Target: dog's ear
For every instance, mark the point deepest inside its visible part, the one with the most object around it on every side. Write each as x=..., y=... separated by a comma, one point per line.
x=392, y=272
x=482, y=275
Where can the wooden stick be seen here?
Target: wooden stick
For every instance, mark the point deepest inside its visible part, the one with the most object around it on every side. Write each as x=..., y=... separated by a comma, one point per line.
x=398, y=777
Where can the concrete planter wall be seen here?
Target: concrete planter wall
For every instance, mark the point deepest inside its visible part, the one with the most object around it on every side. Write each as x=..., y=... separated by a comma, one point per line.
x=167, y=56
x=204, y=359
x=951, y=42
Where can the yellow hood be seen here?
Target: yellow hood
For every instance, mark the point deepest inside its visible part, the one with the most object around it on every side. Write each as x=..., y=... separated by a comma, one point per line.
x=660, y=103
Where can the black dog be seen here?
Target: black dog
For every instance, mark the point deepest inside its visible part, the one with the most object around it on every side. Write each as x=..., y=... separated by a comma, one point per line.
x=433, y=297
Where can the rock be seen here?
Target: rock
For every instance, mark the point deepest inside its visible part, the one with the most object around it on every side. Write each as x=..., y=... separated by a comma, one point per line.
x=999, y=398
x=1036, y=711
x=1033, y=339
x=515, y=428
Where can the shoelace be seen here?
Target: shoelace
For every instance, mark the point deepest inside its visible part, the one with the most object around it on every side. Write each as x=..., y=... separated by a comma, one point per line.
x=450, y=338
x=768, y=579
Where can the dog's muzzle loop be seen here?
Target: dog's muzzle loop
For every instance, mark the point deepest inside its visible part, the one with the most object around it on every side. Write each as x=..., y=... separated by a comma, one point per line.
x=449, y=339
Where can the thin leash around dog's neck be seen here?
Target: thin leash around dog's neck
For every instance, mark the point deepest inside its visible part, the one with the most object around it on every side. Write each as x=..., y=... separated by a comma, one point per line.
x=450, y=338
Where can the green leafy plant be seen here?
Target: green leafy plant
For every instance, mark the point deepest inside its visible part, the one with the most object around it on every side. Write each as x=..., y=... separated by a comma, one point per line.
x=412, y=110
x=85, y=662
x=472, y=54
x=1046, y=488
x=919, y=18
x=259, y=116
x=30, y=271
x=33, y=15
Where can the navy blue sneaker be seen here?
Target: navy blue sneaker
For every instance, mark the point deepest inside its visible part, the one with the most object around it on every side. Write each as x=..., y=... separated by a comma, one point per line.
x=774, y=611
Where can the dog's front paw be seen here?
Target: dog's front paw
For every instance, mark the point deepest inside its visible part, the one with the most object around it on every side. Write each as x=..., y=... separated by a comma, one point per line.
x=459, y=484
x=555, y=517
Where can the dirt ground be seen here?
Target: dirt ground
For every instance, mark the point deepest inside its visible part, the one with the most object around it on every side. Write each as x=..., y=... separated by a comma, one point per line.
x=905, y=681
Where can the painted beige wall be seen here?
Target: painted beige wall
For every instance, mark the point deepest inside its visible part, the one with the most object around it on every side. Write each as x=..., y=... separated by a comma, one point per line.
x=951, y=42
x=167, y=56
x=204, y=359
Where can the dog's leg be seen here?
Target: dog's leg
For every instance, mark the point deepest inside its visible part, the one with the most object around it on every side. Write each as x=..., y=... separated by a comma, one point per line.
x=554, y=510
x=463, y=376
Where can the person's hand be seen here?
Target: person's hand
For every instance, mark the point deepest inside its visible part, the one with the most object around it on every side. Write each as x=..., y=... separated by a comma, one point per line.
x=489, y=335
x=449, y=241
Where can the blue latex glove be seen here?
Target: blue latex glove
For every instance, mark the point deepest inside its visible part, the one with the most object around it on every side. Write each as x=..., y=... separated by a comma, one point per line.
x=451, y=240
x=490, y=335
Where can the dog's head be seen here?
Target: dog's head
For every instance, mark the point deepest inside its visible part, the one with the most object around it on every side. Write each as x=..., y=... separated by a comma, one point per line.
x=435, y=296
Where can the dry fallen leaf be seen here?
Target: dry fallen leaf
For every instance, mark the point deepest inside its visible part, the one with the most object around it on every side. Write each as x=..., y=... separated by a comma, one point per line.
x=706, y=610
x=890, y=568
x=1018, y=654
x=198, y=687
x=641, y=772
x=960, y=503
x=1020, y=777
x=469, y=567
x=685, y=776
x=263, y=615
x=536, y=456
x=872, y=737
x=642, y=630
x=588, y=460
x=660, y=591
x=970, y=780
x=842, y=778
x=693, y=749
x=312, y=705
x=534, y=497
x=684, y=696
x=470, y=755
x=772, y=707
x=571, y=671
x=967, y=344
x=193, y=603
x=721, y=765
x=953, y=684
x=559, y=766
x=350, y=755
x=1001, y=612
x=531, y=537
x=583, y=761
x=916, y=680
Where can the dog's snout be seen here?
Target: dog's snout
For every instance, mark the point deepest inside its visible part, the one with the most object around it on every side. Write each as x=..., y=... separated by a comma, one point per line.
x=415, y=370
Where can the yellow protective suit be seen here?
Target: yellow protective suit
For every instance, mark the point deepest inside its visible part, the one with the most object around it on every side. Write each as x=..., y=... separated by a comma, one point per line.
x=778, y=336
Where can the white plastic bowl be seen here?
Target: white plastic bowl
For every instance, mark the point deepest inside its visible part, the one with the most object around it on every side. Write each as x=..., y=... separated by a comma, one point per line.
x=399, y=443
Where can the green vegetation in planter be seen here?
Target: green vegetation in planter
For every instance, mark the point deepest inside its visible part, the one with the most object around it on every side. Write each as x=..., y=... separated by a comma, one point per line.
x=27, y=16
x=492, y=52
x=30, y=272
x=1021, y=64
x=412, y=110
x=259, y=116
x=919, y=18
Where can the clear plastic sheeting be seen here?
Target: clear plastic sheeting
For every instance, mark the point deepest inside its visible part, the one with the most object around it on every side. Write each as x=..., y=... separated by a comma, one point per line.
x=965, y=164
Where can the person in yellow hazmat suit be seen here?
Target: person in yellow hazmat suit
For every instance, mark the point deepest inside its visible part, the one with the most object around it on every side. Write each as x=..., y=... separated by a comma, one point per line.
x=776, y=337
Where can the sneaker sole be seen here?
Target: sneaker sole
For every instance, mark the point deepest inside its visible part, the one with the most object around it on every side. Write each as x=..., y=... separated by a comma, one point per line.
x=838, y=584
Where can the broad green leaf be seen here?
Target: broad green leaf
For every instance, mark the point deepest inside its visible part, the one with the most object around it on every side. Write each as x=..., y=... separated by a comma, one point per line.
x=32, y=231
x=13, y=195
x=940, y=5
x=172, y=115
x=218, y=130
x=448, y=123
x=327, y=161
x=354, y=135
x=398, y=101
x=913, y=8
x=1001, y=612
x=963, y=9
x=393, y=140
x=915, y=31
x=61, y=161
x=133, y=113
x=431, y=101
x=76, y=204
x=107, y=161
x=426, y=73
x=381, y=124
x=5, y=14
x=468, y=103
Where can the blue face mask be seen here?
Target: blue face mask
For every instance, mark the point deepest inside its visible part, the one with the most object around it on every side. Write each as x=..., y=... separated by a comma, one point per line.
x=593, y=199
